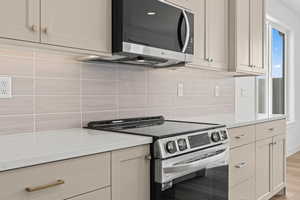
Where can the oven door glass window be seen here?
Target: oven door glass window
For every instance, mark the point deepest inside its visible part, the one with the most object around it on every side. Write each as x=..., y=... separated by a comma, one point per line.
x=206, y=184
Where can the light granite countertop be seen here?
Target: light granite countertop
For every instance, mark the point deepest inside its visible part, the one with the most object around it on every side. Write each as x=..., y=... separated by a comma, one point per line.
x=259, y=119
x=231, y=122
x=28, y=149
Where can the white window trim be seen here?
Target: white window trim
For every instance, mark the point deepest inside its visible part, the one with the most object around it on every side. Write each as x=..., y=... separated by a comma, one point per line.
x=289, y=68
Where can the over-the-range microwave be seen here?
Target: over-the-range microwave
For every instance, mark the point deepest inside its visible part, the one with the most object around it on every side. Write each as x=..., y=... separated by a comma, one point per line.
x=151, y=33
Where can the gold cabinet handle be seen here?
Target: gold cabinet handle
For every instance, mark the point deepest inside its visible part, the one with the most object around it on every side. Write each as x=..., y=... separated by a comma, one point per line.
x=43, y=187
x=45, y=30
x=34, y=28
x=239, y=137
x=271, y=129
x=241, y=165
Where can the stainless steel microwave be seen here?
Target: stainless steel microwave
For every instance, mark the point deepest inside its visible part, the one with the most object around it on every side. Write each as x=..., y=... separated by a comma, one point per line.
x=151, y=33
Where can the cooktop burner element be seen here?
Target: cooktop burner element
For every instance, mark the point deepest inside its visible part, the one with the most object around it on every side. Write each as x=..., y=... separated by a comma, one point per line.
x=156, y=127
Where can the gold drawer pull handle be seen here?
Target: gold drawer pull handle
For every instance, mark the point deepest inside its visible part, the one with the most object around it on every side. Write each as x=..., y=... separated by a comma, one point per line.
x=239, y=137
x=271, y=129
x=43, y=187
x=241, y=165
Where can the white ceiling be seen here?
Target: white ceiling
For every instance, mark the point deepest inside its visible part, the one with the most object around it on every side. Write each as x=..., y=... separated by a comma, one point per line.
x=293, y=4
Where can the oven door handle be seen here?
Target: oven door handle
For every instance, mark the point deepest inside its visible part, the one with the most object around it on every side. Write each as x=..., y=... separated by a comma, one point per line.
x=195, y=165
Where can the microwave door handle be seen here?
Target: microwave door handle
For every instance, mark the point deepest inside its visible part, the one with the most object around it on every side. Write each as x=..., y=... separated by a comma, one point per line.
x=180, y=23
x=195, y=165
x=188, y=31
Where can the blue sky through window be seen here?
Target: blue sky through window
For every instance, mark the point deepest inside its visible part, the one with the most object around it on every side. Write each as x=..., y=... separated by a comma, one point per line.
x=277, y=54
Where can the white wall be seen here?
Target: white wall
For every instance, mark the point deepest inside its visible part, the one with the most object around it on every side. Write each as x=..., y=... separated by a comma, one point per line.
x=278, y=11
x=285, y=16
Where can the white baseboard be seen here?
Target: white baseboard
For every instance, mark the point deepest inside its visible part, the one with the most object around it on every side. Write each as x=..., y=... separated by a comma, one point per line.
x=293, y=151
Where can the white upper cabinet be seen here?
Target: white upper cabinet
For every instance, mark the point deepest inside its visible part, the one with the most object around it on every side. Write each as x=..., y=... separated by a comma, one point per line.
x=186, y=4
x=258, y=18
x=19, y=20
x=247, y=36
x=199, y=34
x=211, y=34
x=217, y=33
x=77, y=23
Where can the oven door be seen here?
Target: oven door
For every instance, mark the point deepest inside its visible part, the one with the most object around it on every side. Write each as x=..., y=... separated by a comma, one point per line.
x=201, y=175
x=151, y=23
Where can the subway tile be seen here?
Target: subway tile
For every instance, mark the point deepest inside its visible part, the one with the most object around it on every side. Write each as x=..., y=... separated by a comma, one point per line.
x=99, y=103
x=155, y=101
x=132, y=101
x=16, y=51
x=95, y=87
x=58, y=69
x=132, y=113
x=16, y=124
x=99, y=71
x=98, y=116
x=168, y=113
x=16, y=66
x=17, y=105
x=22, y=86
x=47, y=122
x=199, y=87
x=132, y=87
x=57, y=104
x=57, y=87
x=132, y=73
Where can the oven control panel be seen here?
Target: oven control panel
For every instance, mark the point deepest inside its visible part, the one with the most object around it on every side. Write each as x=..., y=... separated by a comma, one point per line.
x=174, y=146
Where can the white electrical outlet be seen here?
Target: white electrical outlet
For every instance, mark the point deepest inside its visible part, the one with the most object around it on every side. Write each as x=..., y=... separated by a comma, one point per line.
x=5, y=87
x=180, y=89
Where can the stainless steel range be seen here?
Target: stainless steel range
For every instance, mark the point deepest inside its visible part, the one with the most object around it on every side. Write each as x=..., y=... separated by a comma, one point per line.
x=189, y=160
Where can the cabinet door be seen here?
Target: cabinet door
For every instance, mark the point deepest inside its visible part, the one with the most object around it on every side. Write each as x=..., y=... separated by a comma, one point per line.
x=187, y=4
x=258, y=18
x=263, y=168
x=243, y=191
x=243, y=35
x=278, y=162
x=131, y=174
x=217, y=33
x=19, y=19
x=199, y=34
x=77, y=23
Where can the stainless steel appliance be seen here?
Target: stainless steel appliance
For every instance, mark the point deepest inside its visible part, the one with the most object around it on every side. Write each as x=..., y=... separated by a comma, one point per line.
x=190, y=160
x=151, y=33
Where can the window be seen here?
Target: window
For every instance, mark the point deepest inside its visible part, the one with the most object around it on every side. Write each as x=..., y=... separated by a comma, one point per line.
x=271, y=88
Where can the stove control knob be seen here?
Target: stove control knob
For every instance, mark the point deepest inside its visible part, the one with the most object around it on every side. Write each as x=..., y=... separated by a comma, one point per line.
x=182, y=145
x=171, y=147
x=215, y=137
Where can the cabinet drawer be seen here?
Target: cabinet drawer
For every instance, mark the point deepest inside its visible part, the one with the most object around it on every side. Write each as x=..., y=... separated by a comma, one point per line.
x=270, y=129
x=243, y=191
x=241, y=136
x=57, y=180
x=242, y=164
x=103, y=194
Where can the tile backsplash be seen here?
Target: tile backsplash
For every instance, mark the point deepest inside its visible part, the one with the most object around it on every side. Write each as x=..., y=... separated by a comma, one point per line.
x=53, y=91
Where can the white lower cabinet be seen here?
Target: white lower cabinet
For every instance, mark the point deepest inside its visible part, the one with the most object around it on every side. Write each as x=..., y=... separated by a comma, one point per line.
x=257, y=167
x=243, y=191
x=131, y=174
x=114, y=175
x=263, y=168
x=103, y=194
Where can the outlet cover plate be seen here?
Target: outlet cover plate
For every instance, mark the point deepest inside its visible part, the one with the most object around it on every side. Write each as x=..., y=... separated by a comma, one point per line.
x=5, y=87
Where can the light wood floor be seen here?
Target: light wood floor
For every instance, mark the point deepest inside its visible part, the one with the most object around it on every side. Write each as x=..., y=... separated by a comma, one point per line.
x=293, y=179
